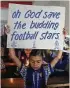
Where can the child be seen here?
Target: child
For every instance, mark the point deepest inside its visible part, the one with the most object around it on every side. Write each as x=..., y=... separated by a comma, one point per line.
x=36, y=74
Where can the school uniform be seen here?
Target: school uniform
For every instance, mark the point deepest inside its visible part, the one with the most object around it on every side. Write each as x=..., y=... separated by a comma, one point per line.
x=35, y=78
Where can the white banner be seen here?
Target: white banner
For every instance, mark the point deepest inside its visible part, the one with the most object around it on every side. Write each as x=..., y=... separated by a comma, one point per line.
x=36, y=27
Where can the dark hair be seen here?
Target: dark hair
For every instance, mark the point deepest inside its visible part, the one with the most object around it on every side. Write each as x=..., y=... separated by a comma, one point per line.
x=36, y=53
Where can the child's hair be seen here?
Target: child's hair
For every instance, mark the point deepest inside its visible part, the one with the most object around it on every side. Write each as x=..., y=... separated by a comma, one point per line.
x=36, y=52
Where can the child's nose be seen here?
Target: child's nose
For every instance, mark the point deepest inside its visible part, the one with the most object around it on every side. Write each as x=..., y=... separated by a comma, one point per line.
x=35, y=64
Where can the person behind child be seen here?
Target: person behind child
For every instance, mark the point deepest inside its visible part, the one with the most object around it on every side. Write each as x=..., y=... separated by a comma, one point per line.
x=36, y=74
x=25, y=53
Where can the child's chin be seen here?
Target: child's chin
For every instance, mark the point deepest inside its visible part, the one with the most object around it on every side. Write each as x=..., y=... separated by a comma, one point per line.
x=35, y=68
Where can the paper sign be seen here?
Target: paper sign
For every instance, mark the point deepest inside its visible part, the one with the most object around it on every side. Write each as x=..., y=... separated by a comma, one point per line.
x=35, y=27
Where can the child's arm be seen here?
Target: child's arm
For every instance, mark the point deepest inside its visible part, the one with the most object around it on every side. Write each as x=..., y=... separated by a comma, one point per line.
x=12, y=54
x=59, y=56
x=56, y=59
x=14, y=57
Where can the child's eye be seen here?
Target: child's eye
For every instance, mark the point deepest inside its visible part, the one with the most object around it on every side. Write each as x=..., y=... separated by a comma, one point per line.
x=38, y=62
x=32, y=61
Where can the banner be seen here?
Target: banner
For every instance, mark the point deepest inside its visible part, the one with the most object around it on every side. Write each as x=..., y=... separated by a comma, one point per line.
x=36, y=27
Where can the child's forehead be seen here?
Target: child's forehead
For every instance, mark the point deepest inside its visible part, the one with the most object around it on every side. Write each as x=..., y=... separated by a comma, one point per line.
x=27, y=49
x=36, y=57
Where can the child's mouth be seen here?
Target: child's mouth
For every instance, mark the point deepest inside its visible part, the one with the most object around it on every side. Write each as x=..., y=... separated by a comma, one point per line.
x=35, y=68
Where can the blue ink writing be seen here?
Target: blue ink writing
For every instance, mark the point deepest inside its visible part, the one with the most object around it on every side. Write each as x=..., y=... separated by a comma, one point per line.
x=19, y=25
x=34, y=46
x=13, y=44
x=30, y=14
x=16, y=14
x=51, y=15
x=56, y=45
x=24, y=36
x=48, y=35
x=45, y=25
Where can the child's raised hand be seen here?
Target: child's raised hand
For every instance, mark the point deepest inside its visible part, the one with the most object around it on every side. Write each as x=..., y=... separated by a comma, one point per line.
x=7, y=29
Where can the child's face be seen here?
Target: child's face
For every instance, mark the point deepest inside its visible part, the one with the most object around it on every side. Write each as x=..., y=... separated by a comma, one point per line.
x=35, y=62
